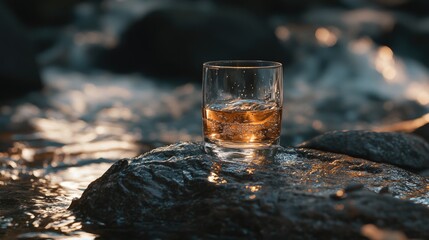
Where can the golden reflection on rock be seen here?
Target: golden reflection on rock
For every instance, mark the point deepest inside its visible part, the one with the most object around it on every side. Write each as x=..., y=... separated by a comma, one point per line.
x=253, y=196
x=372, y=232
x=250, y=170
x=214, y=175
x=340, y=193
x=253, y=188
x=214, y=178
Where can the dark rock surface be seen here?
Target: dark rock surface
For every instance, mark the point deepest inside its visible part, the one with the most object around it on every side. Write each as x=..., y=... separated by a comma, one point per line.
x=19, y=72
x=175, y=41
x=400, y=149
x=179, y=191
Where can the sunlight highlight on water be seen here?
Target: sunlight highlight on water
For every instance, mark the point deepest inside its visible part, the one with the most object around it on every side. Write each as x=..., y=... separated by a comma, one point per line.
x=54, y=143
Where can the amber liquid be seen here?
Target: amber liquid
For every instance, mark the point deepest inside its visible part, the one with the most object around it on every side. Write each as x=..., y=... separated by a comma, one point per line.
x=242, y=123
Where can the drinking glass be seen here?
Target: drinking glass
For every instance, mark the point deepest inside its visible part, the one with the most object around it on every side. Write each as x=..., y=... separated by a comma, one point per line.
x=242, y=107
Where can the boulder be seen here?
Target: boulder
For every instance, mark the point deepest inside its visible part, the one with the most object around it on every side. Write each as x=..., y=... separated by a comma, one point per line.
x=19, y=73
x=174, y=41
x=178, y=191
x=400, y=149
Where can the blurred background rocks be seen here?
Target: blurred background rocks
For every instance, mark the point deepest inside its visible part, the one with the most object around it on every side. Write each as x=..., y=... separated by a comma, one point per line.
x=174, y=41
x=121, y=77
x=19, y=72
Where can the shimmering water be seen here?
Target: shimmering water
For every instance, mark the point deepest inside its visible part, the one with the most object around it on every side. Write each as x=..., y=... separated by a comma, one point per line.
x=54, y=143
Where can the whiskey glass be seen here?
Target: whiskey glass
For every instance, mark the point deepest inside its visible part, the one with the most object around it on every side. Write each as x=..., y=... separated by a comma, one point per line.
x=242, y=107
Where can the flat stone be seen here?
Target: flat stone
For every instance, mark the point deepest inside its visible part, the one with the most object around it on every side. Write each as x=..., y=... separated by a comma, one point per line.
x=179, y=191
x=400, y=149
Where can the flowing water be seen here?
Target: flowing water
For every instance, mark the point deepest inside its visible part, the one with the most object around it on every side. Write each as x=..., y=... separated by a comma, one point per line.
x=54, y=143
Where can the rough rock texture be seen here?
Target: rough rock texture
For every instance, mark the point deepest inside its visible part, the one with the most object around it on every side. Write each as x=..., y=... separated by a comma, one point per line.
x=400, y=149
x=179, y=191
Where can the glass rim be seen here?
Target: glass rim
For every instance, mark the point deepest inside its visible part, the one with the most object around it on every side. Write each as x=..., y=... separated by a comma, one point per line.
x=242, y=64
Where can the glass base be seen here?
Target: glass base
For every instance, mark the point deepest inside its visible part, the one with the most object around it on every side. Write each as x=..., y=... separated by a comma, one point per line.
x=247, y=152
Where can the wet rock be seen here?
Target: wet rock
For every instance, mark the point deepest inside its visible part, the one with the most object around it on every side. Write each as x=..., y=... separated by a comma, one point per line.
x=400, y=149
x=179, y=191
x=424, y=173
x=19, y=73
x=174, y=41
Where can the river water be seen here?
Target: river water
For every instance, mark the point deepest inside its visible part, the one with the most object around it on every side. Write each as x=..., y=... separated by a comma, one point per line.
x=55, y=142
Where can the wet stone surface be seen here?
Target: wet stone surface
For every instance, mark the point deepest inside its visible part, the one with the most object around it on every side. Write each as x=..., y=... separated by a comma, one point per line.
x=400, y=149
x=179, y=191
